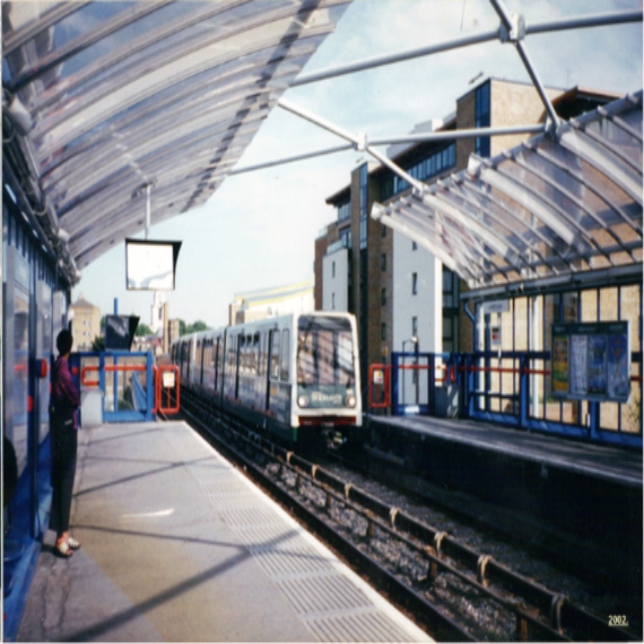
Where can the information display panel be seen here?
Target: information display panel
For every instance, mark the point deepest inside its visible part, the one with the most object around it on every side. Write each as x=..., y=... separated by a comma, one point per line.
x=119, y=331
x=150, y=265
x=591, y=361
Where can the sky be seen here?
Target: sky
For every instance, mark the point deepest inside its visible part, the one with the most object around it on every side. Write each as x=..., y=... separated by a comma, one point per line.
x=258, y=230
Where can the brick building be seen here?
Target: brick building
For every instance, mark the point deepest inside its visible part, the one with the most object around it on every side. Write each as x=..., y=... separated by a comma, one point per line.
x=402, y=295
x=86, y=323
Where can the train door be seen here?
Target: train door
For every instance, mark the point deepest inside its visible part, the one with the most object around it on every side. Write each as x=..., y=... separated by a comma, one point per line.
x=239, y=361
x=215, y=362
x=199, y=362
x=273, y=371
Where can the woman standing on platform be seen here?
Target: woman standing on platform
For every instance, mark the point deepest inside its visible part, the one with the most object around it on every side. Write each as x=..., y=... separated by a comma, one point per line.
x=65, y=400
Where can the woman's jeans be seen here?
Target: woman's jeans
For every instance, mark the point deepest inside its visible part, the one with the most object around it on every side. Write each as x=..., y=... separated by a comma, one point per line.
x=63, y=470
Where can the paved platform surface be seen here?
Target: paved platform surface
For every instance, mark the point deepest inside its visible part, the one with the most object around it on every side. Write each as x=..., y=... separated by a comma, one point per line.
x=177, y=545
x=605, y=462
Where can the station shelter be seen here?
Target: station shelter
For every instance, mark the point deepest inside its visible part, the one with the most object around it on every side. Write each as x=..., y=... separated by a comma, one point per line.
x=547, y=237
x=117, y=116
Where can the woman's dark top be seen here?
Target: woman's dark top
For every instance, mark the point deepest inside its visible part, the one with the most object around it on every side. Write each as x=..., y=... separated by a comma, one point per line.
x=64, y=394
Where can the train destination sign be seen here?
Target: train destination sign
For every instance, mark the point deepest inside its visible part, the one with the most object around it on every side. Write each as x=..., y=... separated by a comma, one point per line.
x=591, y=361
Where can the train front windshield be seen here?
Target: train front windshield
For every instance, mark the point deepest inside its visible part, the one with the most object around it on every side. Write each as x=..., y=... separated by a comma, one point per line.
x=325, y=362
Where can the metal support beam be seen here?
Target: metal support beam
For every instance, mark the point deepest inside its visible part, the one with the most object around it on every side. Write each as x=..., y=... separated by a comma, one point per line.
x=426, y=137
x=359, y=141
x=298, y=157
x=147, y=210
x=573, y=22
x=516, y=38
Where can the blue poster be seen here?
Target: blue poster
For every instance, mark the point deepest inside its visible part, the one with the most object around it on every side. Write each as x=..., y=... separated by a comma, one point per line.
x=618, y=368
x=597, y=365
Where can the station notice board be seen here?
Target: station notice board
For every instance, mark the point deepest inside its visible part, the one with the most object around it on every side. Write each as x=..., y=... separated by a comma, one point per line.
x=591, y=361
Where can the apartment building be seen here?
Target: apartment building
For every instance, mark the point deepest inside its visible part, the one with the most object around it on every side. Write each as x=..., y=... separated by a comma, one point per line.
x=403, y=297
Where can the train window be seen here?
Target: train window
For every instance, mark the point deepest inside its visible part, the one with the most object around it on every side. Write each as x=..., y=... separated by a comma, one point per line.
x=255, y=355
x=325, y=352
x=242, y=354
x=232, y=355
x=215, y=362
x=248, y=354
x=286, y=355
x=262, y=354
x=275, y=354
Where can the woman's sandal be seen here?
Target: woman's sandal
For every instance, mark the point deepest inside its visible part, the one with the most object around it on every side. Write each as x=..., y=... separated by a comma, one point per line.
x=73, y=544
x=63, y=550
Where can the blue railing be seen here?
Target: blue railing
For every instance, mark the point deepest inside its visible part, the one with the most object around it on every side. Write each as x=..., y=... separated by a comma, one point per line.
x=486, y=388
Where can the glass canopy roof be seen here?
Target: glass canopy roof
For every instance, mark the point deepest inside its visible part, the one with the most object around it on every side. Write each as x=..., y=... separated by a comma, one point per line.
x=561, y=203
x=121, y=95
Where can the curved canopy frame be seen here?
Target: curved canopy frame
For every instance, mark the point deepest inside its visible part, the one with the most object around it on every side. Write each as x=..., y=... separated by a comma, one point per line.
x=563, y=202
x=105, y=98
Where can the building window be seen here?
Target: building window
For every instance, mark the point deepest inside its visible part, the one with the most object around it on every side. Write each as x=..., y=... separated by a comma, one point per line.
x=344, y=211
x=383, y=262
x=450, y=289
x=414, y=326
x=414, y=246
x=383, y=331
x=482, y=118
x=383, y=231
x=383, y=296
x=426, y=168
x=333, y=301
x=414, y=283
x=450, y=310
x=364, y=179
x=332, y=269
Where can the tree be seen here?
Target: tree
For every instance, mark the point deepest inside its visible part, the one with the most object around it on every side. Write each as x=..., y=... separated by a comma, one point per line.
x=143, y=329
x=99, y=343
x=199, y=325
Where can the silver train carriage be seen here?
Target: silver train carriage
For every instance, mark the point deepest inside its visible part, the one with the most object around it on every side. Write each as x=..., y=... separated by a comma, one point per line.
x=296, y=376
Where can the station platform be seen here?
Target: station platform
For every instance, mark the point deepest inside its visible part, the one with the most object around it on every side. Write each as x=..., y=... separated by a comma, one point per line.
x=178, y=545
x=580, y=502
x=603, y=462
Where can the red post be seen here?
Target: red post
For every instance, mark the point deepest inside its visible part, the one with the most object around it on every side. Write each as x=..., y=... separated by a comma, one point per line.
x=380, y=374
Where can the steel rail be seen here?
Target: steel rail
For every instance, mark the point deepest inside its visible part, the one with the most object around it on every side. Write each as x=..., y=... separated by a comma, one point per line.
x=562, y=613
x=426, y=613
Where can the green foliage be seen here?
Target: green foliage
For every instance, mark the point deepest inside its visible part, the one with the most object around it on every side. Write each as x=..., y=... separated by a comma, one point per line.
x=143, y=330
x=99, y=343
x=197, y=326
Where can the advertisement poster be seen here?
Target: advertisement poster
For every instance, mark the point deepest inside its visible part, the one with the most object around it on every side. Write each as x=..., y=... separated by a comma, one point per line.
x=560, y=382
x=597, y=365
x=591, y=361
x=579, y=365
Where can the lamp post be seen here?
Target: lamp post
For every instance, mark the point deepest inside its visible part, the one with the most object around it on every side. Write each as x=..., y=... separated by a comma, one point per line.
x=413, y=340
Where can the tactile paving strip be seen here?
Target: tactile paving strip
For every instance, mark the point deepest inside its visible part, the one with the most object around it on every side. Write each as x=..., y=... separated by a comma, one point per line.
x=326, y=598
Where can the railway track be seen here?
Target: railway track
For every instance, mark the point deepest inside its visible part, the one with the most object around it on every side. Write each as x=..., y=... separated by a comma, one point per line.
x=450, y=589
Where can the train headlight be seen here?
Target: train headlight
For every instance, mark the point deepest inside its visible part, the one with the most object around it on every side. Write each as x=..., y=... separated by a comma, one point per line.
x=351, y=400
x=302, y=401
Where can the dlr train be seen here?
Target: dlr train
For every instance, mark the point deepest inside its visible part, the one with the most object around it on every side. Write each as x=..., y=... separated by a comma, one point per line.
x=296, y=376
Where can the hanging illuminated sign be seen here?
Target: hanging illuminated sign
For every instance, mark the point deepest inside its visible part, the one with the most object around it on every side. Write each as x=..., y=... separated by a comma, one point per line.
x=150, y=265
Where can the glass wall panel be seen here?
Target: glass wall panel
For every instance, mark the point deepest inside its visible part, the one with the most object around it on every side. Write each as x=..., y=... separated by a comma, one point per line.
x=553, y=409
x=631, y=309
x=609, y=413
x=608, y=305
